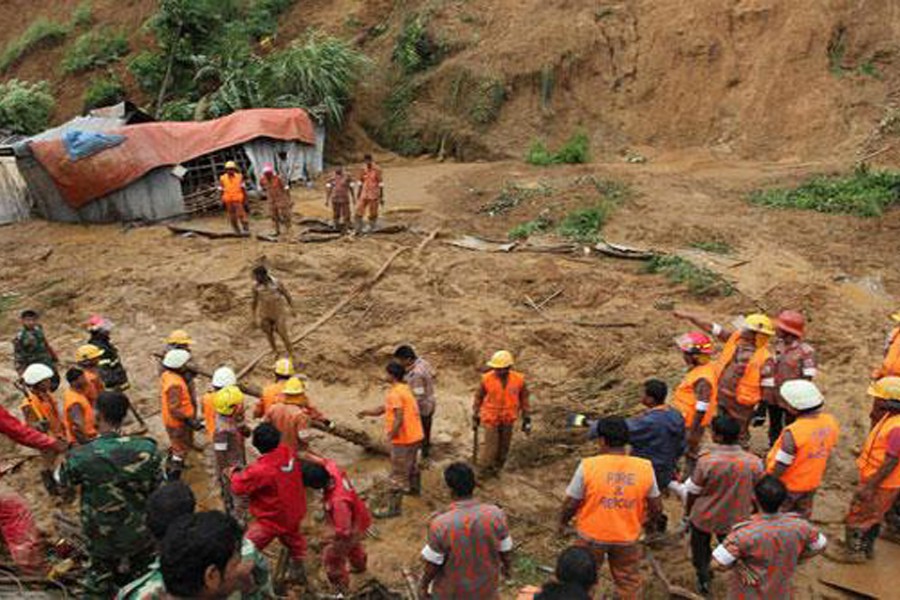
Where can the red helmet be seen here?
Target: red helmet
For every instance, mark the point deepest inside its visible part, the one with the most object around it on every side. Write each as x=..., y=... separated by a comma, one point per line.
x=695, y=342
x=791, y=322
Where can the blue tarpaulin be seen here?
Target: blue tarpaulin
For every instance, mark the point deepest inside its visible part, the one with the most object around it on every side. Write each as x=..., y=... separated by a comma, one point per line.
x=81, y=144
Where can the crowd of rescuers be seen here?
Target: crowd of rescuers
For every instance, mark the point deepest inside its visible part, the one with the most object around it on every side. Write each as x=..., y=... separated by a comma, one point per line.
x=365, y=192
x=747, y=516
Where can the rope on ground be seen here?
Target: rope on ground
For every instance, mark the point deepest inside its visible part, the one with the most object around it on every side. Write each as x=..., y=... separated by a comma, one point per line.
x=365, y=285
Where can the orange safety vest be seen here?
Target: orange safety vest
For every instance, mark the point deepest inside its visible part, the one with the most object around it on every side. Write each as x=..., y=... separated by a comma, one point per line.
x=71, y=399
x=94, y=385
x=207, y=402
x=891, y=364
x=411, y=429
x=271, y=395
x=814, y=438
x=232, y=188
x=615, y=498
x=749, y=390
x=36, y=408
x=685, y=401
x=170, y=380
x=875, y=451
x=501, y=405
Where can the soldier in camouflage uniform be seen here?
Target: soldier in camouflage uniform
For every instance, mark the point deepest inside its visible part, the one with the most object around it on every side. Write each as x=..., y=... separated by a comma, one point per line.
x=116, y=474
x=31, y=346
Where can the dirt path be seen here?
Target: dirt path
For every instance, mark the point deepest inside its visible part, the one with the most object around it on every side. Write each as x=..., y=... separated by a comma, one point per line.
x=458, y=306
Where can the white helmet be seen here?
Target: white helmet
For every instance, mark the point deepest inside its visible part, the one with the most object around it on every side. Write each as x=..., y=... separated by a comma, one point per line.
x=37, y=373
x=223, y=377
x=175, y=359
x=801, y=394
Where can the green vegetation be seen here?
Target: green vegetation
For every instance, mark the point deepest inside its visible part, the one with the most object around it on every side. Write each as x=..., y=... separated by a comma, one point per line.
x=41, y=32
x=837, y=49
x=178, y=110
x=83, y=16
x=95, y=49
x=700, y=281
x=148, y=69
x=869, y=69
x=713, y=246
x=487, y=101
x=527, y=569
x=584, y=225
x=262, y=18
x=527, y=229
x=576, y=150
x=864, y=193
x=25, y=108
x=395, y=131
x=415, y=50
x=7, y=301
x=103, y=91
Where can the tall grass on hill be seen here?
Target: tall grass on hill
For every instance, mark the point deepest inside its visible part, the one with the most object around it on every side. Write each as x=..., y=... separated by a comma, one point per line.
x=41, y=32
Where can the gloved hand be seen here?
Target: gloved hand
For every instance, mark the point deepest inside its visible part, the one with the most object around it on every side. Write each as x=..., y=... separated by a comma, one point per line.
x=526, y=424
x=476, y=421
x=194, y=424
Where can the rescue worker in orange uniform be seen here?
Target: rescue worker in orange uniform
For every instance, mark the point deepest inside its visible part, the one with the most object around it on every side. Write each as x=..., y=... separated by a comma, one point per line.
x=695, y=396
x=800, y=454
x=794, y=359
x=404, y=432
x=178, y=412
x=889, y=367
x=87, y=357
x=371, y=194
x=273, y=393
x=294, y=414
x=745, y=368
x=611, y=496
x=879, y=478
x=339, y=193
x=233, y=193
x=42, y=413
x=502, y=397
x=78, y=410
x=278, y=193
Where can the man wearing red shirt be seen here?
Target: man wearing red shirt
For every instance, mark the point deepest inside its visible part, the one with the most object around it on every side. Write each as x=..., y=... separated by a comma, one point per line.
x=347, y=514
x=16, y=522
x=274, y=487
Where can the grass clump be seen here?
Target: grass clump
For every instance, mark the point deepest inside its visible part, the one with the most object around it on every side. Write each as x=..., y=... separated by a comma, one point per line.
x=103, y=91
x=41, y=32
x=864, y=193
x=584, y=225
x=415, y=49
x=527, y=229
x=95, y=49
x=700, y=281
x=25, y=108
x=83, y=16
x=576, y=150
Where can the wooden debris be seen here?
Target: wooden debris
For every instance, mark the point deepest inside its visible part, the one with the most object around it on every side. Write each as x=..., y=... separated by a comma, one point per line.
x=333, y=311
x=315, y=238
x=213, y=235
x=546, y=300
x=615, y=325
x=421, y=247
x=675, y=591
x=411, y=587
x=620, y=251
x=470, y=242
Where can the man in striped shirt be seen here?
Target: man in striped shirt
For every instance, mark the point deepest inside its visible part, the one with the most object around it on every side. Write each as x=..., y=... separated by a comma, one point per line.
x=764, y=551
x=468, y=547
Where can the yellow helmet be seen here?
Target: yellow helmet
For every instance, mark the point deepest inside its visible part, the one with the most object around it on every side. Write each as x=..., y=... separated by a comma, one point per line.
x=896, y=317
x=227, y=400
x=886, y=388
x=231, y=165
x=179, y=336
x=294, y=387
x=502, y=359
x=759, y=323
x=87, y=352
x=284, y=367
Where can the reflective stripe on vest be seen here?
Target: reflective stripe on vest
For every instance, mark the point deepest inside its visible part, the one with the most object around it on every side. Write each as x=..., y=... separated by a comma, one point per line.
x=685, y=400
x=501, y=405
x=615, y=497
x=168, y=381
x=749, y=390
x=232, y=190
x=814, y=438
x=891, y=365
x=71, y=398
x=875, y=451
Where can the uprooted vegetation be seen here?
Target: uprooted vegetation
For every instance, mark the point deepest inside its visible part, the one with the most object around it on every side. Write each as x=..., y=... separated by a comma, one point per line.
x=864, y=193
x=700, y=281
x=576, y=150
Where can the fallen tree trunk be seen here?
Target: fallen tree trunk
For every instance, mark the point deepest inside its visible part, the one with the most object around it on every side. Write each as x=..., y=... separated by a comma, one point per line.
x=354, y=436
x=213, y=235
x=365, y=285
